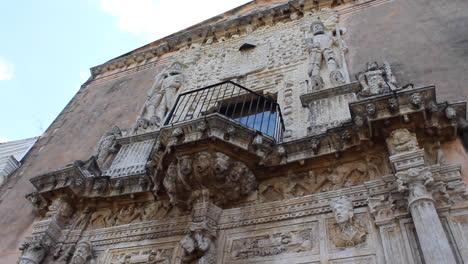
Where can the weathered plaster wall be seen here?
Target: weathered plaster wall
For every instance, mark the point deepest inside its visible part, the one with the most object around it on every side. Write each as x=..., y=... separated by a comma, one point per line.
x=426, y=42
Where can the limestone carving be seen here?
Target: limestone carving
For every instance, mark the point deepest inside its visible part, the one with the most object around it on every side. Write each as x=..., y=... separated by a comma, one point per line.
x=127, y=214
x=207, y=175
x=83, y=253
x=198, y=246
x=382, y=207
x=102, y=218
x=34, y=250
x=347, y=231
x=63, y=254
x=161, y=98
x=416, y=99
x=376, y=79
x=59, y=209
x=272, y=244
x=107, y=144
x=434, y=153
x=320, y=180
x=83, y=218
x=416, y=182
x=401, y=140
x=321, y=52
x=392, y=104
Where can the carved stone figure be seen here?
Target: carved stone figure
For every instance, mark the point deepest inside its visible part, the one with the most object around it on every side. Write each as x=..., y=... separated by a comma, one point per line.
x=401, y=140
x=416, y=99
x=161, y=98
x=156, y=257
x=127, y=214
x=207, y=176
x=392, y=104
x=346, y=232
x=107, y=144
x=63, y=254
x=321, y=49
x=59, y=209
x=199, y=247
x=82, y=253
x=83, y=218
x=376, y=80
x=34, y=250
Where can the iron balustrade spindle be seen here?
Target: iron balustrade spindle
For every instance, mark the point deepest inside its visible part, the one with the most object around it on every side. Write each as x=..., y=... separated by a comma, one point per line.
x=230, y=99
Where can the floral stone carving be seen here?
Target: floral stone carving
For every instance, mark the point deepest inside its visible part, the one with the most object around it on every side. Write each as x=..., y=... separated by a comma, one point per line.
x=347, y=231
x=207, y=176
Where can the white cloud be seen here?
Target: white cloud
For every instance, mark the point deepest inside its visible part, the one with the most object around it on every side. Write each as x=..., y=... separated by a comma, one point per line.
x=84, y=76
x=154, y=19
x=6, y=70
x=3, y=139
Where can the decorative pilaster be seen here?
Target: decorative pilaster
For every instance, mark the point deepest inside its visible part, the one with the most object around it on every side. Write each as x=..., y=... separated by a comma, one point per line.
x=382, y=207
x=415, y=182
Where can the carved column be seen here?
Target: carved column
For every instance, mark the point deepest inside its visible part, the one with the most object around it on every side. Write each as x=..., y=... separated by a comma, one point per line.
x=414, y=180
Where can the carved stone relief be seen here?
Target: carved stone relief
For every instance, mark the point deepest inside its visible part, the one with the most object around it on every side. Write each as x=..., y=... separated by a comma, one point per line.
x=346, y=231
x=156, y=254
x=83, y=253
x=199, y=246
x=322, y=180
x=376, y=80
x=107, y=144
x=130, y=213
x=321, y=51
x=274, y=244
x=401, y=140
x=207, y=176
x=34, y=249
x=161, y=98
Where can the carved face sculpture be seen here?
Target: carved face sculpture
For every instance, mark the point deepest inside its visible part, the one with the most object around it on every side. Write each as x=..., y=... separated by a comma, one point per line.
x=221, y=163
x=82, y=252
x=370, y=109
x=450, y=113
x=416, y=99
x=128, y=211
x=317, y=28
x=188, y=244
x=236, y=172
x=202, y=162
x=174, y=79
x=343, y=210
x=185, y=165
x=392, y=104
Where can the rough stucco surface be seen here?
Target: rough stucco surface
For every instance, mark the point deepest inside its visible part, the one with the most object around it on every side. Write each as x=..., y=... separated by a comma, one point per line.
x=72, y=136
x=425, y=41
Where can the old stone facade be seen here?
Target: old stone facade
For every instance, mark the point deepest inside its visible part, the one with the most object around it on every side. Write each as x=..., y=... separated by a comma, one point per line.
x=252, y=137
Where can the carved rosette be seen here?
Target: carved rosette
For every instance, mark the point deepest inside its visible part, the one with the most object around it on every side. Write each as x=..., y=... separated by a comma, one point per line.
x=207, y=176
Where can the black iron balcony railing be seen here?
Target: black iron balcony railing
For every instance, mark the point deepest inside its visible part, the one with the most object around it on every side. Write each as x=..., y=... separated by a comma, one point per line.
x=233, y=101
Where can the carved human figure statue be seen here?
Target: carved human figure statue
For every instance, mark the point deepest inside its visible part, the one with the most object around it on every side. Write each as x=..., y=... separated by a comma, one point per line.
x=347, y=232
x=107, y=144
x=376, y=80
x=161, y=98
x=321, y=49
x=83, y=253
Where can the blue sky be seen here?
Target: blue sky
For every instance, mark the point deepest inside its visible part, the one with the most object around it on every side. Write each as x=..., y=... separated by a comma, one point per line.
x=48, y=46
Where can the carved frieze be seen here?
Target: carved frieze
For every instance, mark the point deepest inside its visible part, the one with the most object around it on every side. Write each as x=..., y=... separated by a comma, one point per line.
x=274, y=244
